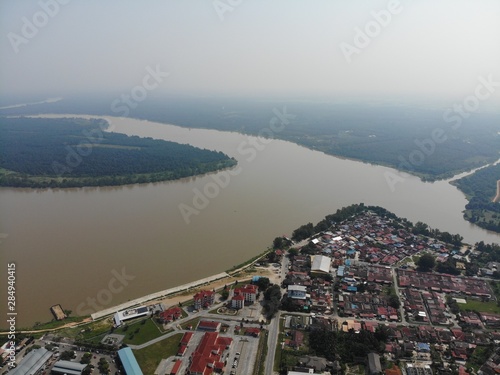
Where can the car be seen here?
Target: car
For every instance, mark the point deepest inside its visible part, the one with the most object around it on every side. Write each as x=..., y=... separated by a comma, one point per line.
x=238, y=353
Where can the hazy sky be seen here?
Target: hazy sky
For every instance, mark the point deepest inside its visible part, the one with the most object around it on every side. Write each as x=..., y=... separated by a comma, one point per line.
x=259, y=47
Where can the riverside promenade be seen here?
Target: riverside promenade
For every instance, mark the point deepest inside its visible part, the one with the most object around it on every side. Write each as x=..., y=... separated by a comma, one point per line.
x=158, y=295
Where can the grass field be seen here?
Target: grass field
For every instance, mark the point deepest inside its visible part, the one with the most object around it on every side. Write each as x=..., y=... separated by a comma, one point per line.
x=487, y=307
x=149, y=357
x=94, y=331
x=139, y=333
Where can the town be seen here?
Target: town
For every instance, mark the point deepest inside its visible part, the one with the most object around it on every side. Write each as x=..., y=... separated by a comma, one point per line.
x=369, y=293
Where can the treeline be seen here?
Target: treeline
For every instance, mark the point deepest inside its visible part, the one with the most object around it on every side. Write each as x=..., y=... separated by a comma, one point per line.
x=487, y=253
x=480, y=188
x=425, y=230
x=342, y=214
x=38, y=152
x=400, y=136
x=347, y=347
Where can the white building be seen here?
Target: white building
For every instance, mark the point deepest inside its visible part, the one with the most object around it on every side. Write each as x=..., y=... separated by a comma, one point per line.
x=320, y=264
x=297, y=291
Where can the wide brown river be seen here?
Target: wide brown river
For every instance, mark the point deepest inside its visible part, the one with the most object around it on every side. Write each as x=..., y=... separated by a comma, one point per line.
x=70, y=244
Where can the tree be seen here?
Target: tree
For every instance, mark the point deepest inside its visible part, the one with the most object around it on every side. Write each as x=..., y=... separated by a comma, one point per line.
x=263, y=283
x=394, y=301
x=67, y=355
x=426, y=263
x=272, y=299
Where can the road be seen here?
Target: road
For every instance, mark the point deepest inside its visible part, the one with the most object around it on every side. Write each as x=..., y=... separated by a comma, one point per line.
x=272, y=341
x=273, y=327
x=398, y=293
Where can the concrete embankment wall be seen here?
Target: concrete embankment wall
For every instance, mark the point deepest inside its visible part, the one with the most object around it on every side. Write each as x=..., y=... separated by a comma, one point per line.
x=163, y=293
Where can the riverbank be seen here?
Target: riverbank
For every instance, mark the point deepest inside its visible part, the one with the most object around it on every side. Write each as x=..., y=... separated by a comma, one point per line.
x=76, y=152
x=71, y=232
x=497, y=197
x=173, y=296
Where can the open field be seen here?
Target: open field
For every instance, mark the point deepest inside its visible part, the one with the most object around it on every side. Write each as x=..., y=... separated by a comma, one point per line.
x=139, y=333
x=149, y=357
x=487, y=307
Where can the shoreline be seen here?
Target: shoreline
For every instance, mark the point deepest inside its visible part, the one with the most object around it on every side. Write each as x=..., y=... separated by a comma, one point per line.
x=497, y=197
x=108, y=118
x=161, y=294
x=169, y=297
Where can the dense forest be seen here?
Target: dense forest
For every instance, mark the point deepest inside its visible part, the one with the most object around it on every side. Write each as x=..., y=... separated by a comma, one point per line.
x=480, y=189
x=39, y=153
x=415, y=139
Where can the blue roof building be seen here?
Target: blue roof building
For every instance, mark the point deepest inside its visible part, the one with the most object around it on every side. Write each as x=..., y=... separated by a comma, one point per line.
x=340, y=271
x=423, y=347
x=129, y=362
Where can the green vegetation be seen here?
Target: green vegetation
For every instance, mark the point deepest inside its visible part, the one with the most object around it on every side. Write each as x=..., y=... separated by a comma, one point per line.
x=92, y=332
x=41, y=153
x=479, y=357
x=424, y=230
x=139, y=332
x=426, y=263
x=384, y=134
x=387, y=134
x=247, y=263
x=272, y=300
x=345, y=346
x=149, y=358
x=478, y=306
x=281, y=243
x=480, y=189
x=488, y=253
x=58, y=323
x=259, y=367
x=193, y=323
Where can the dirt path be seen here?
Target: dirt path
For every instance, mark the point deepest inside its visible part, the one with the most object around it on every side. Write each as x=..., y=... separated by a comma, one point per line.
x=497, y=197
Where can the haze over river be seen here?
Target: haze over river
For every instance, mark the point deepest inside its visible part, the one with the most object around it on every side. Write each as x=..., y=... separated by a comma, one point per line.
x=68, y=244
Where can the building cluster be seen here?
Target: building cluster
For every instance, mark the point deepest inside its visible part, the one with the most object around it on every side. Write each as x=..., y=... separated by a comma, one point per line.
x=359, y=261
x=207, y=357
x=468, y=286
x=372, y=239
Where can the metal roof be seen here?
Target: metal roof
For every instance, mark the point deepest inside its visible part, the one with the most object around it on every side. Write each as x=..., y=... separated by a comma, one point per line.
x=321, y=263
x=33, y=362
x=68, y=367
x=129, y=362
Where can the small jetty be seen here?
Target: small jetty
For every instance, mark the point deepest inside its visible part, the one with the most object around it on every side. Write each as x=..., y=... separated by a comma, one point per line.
x=58, y=312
